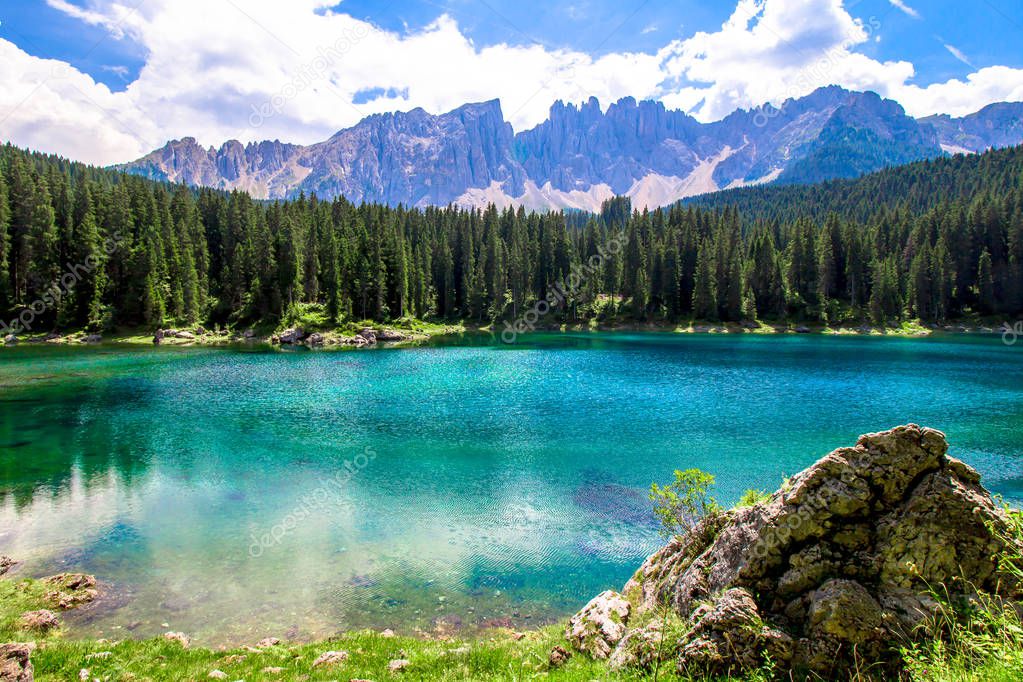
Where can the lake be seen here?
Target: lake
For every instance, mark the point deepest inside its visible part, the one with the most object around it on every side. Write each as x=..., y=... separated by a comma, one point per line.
x=236, y=494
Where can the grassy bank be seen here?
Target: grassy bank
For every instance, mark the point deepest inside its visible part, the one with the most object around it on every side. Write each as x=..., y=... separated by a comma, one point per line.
x=988, y=645
x=502, y=655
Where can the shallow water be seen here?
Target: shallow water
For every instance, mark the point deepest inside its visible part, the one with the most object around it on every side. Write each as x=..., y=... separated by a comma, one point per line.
x=234, y=495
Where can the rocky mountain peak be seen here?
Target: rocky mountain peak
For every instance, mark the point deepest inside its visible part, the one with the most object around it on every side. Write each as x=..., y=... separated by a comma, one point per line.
x=582, y=154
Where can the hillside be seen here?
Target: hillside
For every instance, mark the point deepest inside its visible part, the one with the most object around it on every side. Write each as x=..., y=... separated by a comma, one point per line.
x=915, y=187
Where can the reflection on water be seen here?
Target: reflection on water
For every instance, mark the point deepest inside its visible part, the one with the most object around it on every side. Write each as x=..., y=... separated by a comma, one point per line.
x=508, y=483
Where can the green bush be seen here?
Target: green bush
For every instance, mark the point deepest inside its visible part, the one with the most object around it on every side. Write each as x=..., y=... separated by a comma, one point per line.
x=684, y=502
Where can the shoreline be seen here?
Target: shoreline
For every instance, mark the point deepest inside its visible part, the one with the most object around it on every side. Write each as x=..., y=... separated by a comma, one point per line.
x=410, y=334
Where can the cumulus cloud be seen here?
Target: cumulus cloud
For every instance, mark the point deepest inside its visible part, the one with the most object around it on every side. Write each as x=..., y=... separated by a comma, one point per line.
x=299, y=71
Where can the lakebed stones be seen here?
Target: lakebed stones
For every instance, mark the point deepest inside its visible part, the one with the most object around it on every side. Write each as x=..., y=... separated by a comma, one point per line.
x=600, y=625
x=16, y=662
x=6, y=564
x=71, y=590
x=840, y=560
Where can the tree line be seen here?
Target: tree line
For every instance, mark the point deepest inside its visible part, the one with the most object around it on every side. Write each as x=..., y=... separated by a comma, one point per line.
x=86, y=248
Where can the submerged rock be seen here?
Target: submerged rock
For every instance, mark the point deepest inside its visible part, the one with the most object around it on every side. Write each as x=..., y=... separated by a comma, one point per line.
x=840, y=560
x=6, y=563
x=71, y=590
x=16, y=663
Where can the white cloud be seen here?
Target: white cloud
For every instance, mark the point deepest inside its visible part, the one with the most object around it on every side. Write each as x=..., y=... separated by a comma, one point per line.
x=958, y=54
x=904, y=8
x=958, y=98
x=302, y=63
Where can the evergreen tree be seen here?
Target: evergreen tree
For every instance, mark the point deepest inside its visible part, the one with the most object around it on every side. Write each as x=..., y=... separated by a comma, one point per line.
x=704, y=294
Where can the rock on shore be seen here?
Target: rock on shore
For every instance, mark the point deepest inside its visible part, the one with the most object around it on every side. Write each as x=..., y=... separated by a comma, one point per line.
x=840, y=560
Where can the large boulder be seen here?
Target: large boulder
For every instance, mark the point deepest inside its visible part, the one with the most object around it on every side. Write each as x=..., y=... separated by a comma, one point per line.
x=16, y=663
x=842, y=559
x=391, y=335
x=600, y=625
x=291, y=335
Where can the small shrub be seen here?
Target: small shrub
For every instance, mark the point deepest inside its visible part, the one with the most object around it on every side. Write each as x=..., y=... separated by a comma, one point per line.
x=753, y=497
x=684, y=502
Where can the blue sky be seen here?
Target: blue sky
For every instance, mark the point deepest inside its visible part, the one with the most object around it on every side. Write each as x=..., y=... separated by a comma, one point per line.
x=106, y=79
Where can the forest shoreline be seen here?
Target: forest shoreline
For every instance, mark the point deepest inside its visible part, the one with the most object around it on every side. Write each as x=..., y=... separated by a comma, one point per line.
x=416, y=332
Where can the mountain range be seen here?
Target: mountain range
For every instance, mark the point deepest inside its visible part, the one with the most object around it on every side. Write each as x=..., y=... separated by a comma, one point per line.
x=582, y=155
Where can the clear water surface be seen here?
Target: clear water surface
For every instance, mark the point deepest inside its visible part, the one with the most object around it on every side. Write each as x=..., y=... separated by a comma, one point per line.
x=463, y=484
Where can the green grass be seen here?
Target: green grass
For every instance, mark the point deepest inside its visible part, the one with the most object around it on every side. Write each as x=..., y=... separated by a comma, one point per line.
x=982, y=643
x=499, y=657
x=982, y=639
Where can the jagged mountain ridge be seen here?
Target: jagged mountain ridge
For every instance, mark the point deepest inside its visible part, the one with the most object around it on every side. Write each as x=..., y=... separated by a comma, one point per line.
x=582, y=155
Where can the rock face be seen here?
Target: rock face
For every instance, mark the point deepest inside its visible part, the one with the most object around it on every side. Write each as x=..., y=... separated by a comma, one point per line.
x=996, y=125
x=842, y=558
x=582, y=155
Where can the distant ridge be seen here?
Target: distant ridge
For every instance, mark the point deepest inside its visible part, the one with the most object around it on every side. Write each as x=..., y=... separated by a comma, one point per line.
x=582, y=155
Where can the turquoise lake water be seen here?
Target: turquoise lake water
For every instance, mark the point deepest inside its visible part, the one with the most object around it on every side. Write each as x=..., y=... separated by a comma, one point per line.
x=234, y=495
